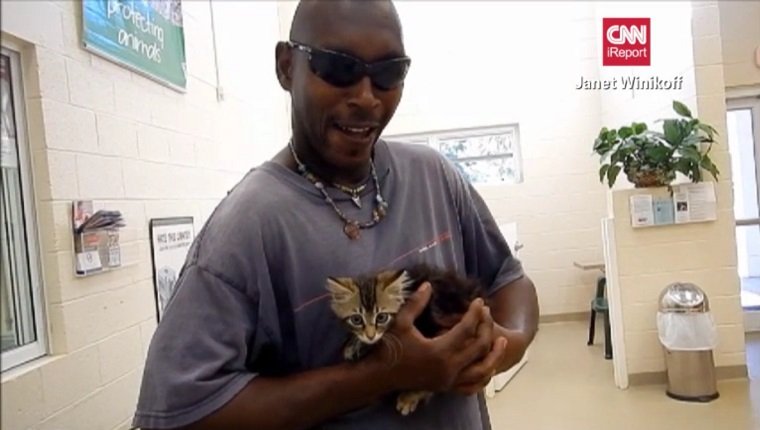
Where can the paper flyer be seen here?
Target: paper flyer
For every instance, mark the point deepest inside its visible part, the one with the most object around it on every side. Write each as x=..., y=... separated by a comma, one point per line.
x=663, y=211
x=642, y=213
x=695, y=203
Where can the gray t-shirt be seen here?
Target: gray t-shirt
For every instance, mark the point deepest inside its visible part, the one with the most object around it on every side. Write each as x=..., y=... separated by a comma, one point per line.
x=251, y=299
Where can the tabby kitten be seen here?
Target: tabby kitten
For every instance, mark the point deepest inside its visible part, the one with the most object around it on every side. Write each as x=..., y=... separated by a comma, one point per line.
x=368, y=304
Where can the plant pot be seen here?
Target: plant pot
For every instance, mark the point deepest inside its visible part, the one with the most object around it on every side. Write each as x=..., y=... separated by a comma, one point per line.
x=649, y=178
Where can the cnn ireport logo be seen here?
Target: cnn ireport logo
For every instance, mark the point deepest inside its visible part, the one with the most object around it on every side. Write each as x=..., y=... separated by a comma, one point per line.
x=626, y=42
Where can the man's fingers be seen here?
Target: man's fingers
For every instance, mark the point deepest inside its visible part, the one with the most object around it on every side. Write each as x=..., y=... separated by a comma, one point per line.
x=488, y=367
x=482, y=341
x=484, y=369
x=474, y=378
x=414, y=305
x=467, y=327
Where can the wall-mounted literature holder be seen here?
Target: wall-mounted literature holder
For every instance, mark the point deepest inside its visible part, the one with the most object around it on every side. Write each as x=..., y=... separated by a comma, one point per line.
x=687, y=203
x=96, y=238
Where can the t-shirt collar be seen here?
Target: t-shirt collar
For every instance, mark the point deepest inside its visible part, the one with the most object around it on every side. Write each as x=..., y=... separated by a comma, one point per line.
x=381, y=158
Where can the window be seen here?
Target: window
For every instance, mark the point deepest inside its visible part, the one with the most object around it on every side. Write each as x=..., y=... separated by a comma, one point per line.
x=483, y=156
x=21, y=318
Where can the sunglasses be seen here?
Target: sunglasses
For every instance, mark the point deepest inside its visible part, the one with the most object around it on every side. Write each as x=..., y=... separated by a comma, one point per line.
x=343, y=70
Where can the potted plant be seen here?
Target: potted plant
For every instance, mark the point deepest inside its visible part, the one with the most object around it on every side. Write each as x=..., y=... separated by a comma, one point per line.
x=651, y=158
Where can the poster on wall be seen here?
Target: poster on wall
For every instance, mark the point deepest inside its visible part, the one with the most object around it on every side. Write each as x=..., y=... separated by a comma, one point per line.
x=170, y=241
x=146, y=36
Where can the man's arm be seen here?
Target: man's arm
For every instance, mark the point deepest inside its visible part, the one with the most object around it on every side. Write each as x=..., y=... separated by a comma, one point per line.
x=514, y=308
x=307, y=399
x=512, y=295
x=303, y=400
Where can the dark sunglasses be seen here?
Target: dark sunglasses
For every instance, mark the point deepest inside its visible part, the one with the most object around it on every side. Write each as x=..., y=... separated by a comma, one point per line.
x=343, y=70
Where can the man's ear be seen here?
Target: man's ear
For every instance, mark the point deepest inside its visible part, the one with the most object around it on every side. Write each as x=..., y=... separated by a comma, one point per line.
x=284, y=65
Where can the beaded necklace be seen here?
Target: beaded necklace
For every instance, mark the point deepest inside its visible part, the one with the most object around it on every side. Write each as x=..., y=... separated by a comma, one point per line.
x=352, y=228
x=354, y=193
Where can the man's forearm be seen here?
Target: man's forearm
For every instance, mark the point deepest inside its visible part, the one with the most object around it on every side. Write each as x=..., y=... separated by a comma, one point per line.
x=515, y=310
x=303, y=400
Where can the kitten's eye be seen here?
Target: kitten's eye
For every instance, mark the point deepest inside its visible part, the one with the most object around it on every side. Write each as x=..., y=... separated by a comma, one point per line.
x=382, y=318
x=356, y=320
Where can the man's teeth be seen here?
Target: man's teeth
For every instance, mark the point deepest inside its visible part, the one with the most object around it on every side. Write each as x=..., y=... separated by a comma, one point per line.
x=354, y=129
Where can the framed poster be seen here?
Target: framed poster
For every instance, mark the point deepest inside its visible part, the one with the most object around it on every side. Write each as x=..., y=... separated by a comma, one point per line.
x=170, y=241
x=146, y=36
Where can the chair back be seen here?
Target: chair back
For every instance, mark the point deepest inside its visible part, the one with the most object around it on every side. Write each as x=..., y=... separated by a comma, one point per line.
x=601, y=285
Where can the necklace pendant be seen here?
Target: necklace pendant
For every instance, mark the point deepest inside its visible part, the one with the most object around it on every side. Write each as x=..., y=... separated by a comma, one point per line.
x=352, y=230
x=357, y=201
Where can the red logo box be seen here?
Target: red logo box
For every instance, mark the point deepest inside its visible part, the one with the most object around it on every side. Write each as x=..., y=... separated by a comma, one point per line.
x=626, y=42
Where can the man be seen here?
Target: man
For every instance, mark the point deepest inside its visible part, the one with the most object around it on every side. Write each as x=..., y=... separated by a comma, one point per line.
x=248, y=340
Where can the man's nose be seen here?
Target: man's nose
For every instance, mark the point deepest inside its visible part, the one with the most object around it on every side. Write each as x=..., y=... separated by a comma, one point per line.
x=363, y=95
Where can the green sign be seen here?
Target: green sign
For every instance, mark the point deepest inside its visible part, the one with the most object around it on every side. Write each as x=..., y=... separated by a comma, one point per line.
x=144, y=35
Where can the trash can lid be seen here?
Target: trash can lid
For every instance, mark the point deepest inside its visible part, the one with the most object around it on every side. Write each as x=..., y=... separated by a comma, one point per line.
x=683, y=297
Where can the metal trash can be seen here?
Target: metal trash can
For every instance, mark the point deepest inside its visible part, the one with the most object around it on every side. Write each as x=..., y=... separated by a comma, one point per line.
x=688, y=335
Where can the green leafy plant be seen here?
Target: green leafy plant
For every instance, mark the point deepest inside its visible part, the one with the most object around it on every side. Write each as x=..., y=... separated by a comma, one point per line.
x=651, y=158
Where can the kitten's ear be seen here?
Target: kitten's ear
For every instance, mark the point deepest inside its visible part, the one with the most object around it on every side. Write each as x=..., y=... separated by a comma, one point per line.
x=341, y=288
x=396, y=283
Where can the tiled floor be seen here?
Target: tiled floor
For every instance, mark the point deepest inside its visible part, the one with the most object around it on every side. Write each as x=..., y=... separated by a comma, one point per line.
x=567, y=385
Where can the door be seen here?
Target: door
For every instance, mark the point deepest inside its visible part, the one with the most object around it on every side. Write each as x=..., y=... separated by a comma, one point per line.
x=743, y=124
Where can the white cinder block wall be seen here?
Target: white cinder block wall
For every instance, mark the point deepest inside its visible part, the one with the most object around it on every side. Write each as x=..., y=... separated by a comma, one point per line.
x=704, y=254
x=740, y=38
x=102, y=132
x=487, y=63
x=98, y=131
x=672, y=56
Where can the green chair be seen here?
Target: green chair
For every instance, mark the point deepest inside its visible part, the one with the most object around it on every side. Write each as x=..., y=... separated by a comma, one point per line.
x=599, y=305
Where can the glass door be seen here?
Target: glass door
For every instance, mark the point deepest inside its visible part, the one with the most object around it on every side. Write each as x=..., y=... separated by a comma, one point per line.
x=743, y=123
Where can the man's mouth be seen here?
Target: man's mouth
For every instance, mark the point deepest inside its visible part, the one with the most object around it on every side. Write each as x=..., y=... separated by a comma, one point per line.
x=356, y=130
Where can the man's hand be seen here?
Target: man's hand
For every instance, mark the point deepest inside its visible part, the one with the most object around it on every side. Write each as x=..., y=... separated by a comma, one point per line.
x=515, y=310
x=414, y=362
x=508, y=349
x=477, y=375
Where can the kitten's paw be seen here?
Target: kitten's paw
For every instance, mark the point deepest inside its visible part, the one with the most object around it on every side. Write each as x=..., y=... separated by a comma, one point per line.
x=406, y=403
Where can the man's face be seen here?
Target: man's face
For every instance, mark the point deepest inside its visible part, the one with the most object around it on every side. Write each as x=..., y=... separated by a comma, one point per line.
x=343, y=123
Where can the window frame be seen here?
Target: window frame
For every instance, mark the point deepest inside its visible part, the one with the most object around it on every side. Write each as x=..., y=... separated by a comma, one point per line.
x=431, y=139
x=39, y=347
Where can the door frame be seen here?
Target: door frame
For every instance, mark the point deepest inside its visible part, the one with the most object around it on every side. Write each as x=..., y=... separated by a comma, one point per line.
x=749, y=99
x=619, y=355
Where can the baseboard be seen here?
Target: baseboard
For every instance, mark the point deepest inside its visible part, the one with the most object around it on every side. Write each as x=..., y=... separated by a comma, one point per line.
x=647, y=378
x=732, y=372
x=572, y=316
x=659, y=378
